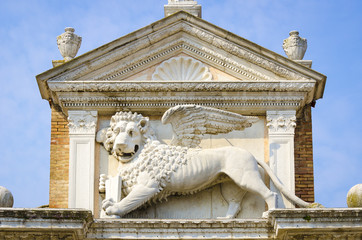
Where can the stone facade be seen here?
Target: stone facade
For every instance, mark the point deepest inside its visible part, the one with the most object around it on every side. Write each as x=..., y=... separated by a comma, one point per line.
x=180, y=60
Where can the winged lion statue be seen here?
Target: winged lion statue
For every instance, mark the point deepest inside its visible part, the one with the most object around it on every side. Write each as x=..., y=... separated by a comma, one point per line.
x=152, y=170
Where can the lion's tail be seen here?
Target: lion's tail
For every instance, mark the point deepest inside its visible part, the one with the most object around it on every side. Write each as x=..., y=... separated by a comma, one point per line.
x=289, y=195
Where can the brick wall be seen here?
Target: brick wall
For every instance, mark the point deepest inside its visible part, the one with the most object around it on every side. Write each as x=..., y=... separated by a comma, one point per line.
x=59, y=161
x=303, y=153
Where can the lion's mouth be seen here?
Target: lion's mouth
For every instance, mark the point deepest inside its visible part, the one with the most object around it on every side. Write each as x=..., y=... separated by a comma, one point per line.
x=130, y=155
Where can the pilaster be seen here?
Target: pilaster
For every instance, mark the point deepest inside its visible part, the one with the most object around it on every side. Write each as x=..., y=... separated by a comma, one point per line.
x=281, y=126
x=82, y=132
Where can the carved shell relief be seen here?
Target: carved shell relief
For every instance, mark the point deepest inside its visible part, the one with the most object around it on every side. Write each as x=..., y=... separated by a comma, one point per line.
x=182, y=69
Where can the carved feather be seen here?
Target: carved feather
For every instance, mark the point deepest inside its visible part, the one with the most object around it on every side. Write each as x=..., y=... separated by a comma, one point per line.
x=191, y=122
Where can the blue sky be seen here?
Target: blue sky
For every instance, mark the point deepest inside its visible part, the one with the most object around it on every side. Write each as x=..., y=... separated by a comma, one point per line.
x=28, y=44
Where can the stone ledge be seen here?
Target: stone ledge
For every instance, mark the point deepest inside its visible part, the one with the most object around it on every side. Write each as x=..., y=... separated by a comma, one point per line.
x=31, y=223
x=280, y=224
x=322, y=222
x=180, y=229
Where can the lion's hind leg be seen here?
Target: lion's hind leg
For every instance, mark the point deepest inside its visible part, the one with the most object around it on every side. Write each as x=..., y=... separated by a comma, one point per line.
x=233, y=195
x=251, y=180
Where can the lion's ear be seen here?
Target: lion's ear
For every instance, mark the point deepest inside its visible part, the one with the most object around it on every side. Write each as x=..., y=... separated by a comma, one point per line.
x=102, y=135
x=144, y=124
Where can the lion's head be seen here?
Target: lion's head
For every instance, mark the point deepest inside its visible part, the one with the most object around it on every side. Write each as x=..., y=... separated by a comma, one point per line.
x=127, y=135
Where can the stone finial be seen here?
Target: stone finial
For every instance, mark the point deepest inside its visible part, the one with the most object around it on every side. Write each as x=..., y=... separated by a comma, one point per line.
x=189, y=6
x=6, y=198
x=354, y=196
x=295, y=46
x=69, y=44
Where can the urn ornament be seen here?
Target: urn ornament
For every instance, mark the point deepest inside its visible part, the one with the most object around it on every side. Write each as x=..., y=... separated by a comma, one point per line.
x=69, y=43
x=295, y=46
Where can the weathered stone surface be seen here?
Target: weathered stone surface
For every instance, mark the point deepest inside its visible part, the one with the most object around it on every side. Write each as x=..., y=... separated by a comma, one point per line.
x=189, y=6
x=69, y=43
x=100, y=79
x=354, y=196
x=62, y=224
x=40, y=224
x=6, y=197
x=205, y=65
x=295, y=46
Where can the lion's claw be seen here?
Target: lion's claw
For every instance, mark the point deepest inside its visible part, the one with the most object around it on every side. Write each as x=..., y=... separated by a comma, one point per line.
x=107, y=203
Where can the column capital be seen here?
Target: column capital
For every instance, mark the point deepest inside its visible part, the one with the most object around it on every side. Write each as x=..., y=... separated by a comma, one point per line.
x=281, y=122
x=82, y=122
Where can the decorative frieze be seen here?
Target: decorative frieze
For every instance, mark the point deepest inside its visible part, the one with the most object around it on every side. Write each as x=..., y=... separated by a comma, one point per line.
x=147, y=86
x=257, y=103
x=82, y=122
x=281, y=122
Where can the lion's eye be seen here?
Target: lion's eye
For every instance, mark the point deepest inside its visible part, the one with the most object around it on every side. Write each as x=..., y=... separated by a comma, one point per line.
x=130, y=133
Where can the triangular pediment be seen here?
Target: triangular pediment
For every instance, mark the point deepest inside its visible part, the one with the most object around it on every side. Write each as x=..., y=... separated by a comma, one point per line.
x=137, y=56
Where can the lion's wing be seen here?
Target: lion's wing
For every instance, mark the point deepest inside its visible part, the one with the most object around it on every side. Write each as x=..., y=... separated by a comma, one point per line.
x=191, y=122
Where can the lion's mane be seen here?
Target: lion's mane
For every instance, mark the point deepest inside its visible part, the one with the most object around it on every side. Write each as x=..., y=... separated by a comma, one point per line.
x=158, y=160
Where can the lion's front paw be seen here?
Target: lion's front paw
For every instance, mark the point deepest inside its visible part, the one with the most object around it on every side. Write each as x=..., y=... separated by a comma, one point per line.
x=108, y=207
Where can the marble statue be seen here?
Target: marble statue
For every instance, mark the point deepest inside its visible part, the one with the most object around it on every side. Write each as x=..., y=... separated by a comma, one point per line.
x=152, y=171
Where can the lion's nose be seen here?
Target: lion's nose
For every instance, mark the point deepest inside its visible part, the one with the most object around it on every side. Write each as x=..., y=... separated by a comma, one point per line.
x=121, y=145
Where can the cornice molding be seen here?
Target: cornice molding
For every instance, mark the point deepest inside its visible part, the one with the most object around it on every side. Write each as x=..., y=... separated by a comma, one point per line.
x=258, y=104
x=156, y=37
x=206, y=86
